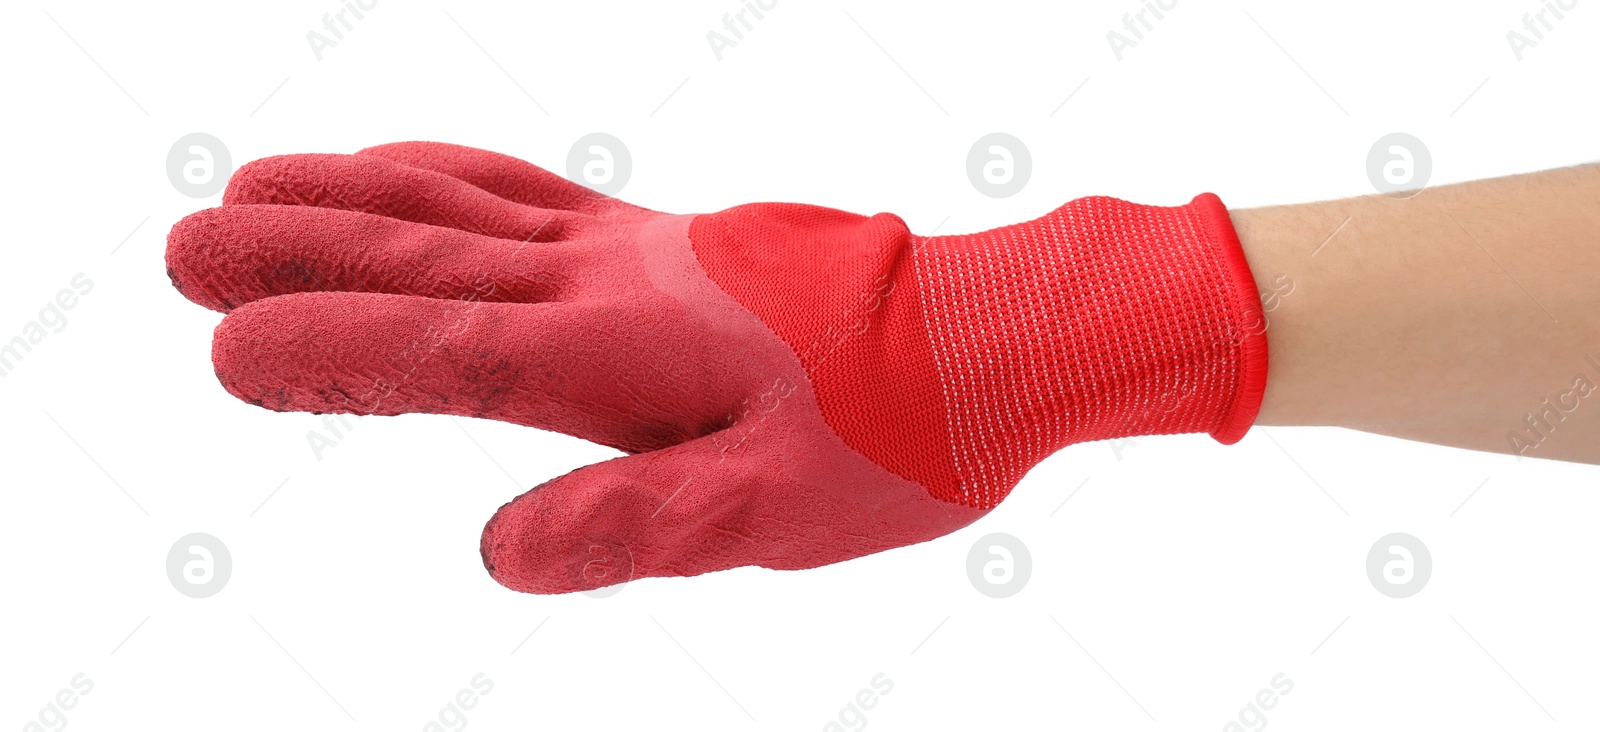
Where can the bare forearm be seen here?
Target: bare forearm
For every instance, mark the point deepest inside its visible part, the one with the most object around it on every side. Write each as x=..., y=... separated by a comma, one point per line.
x=1468, y=315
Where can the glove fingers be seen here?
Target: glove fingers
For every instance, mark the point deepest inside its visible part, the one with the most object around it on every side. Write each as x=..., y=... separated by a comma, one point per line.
x=224, y=257
x=376, y=185
x=503, y=175
x=577, y=368
x=672, y=512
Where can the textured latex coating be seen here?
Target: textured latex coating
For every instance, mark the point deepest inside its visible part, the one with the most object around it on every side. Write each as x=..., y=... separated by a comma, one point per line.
x=424, y=278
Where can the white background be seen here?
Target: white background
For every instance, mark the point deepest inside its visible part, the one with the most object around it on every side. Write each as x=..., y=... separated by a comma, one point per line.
x=1172, y=578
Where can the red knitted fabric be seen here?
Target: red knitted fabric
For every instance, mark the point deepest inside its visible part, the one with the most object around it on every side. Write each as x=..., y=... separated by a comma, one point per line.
x=960, y=362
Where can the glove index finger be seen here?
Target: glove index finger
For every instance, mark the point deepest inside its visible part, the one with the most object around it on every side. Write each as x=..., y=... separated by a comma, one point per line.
x=568, y=367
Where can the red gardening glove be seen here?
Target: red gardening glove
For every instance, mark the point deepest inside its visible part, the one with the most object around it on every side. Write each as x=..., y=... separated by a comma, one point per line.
x=796, y=385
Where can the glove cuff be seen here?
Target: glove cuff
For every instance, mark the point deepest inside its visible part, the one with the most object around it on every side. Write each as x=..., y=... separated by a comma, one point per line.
x=1099, y=320
x=1248, y=319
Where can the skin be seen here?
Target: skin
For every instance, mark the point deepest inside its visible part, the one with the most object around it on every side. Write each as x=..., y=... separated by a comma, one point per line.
x=1450, y=317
